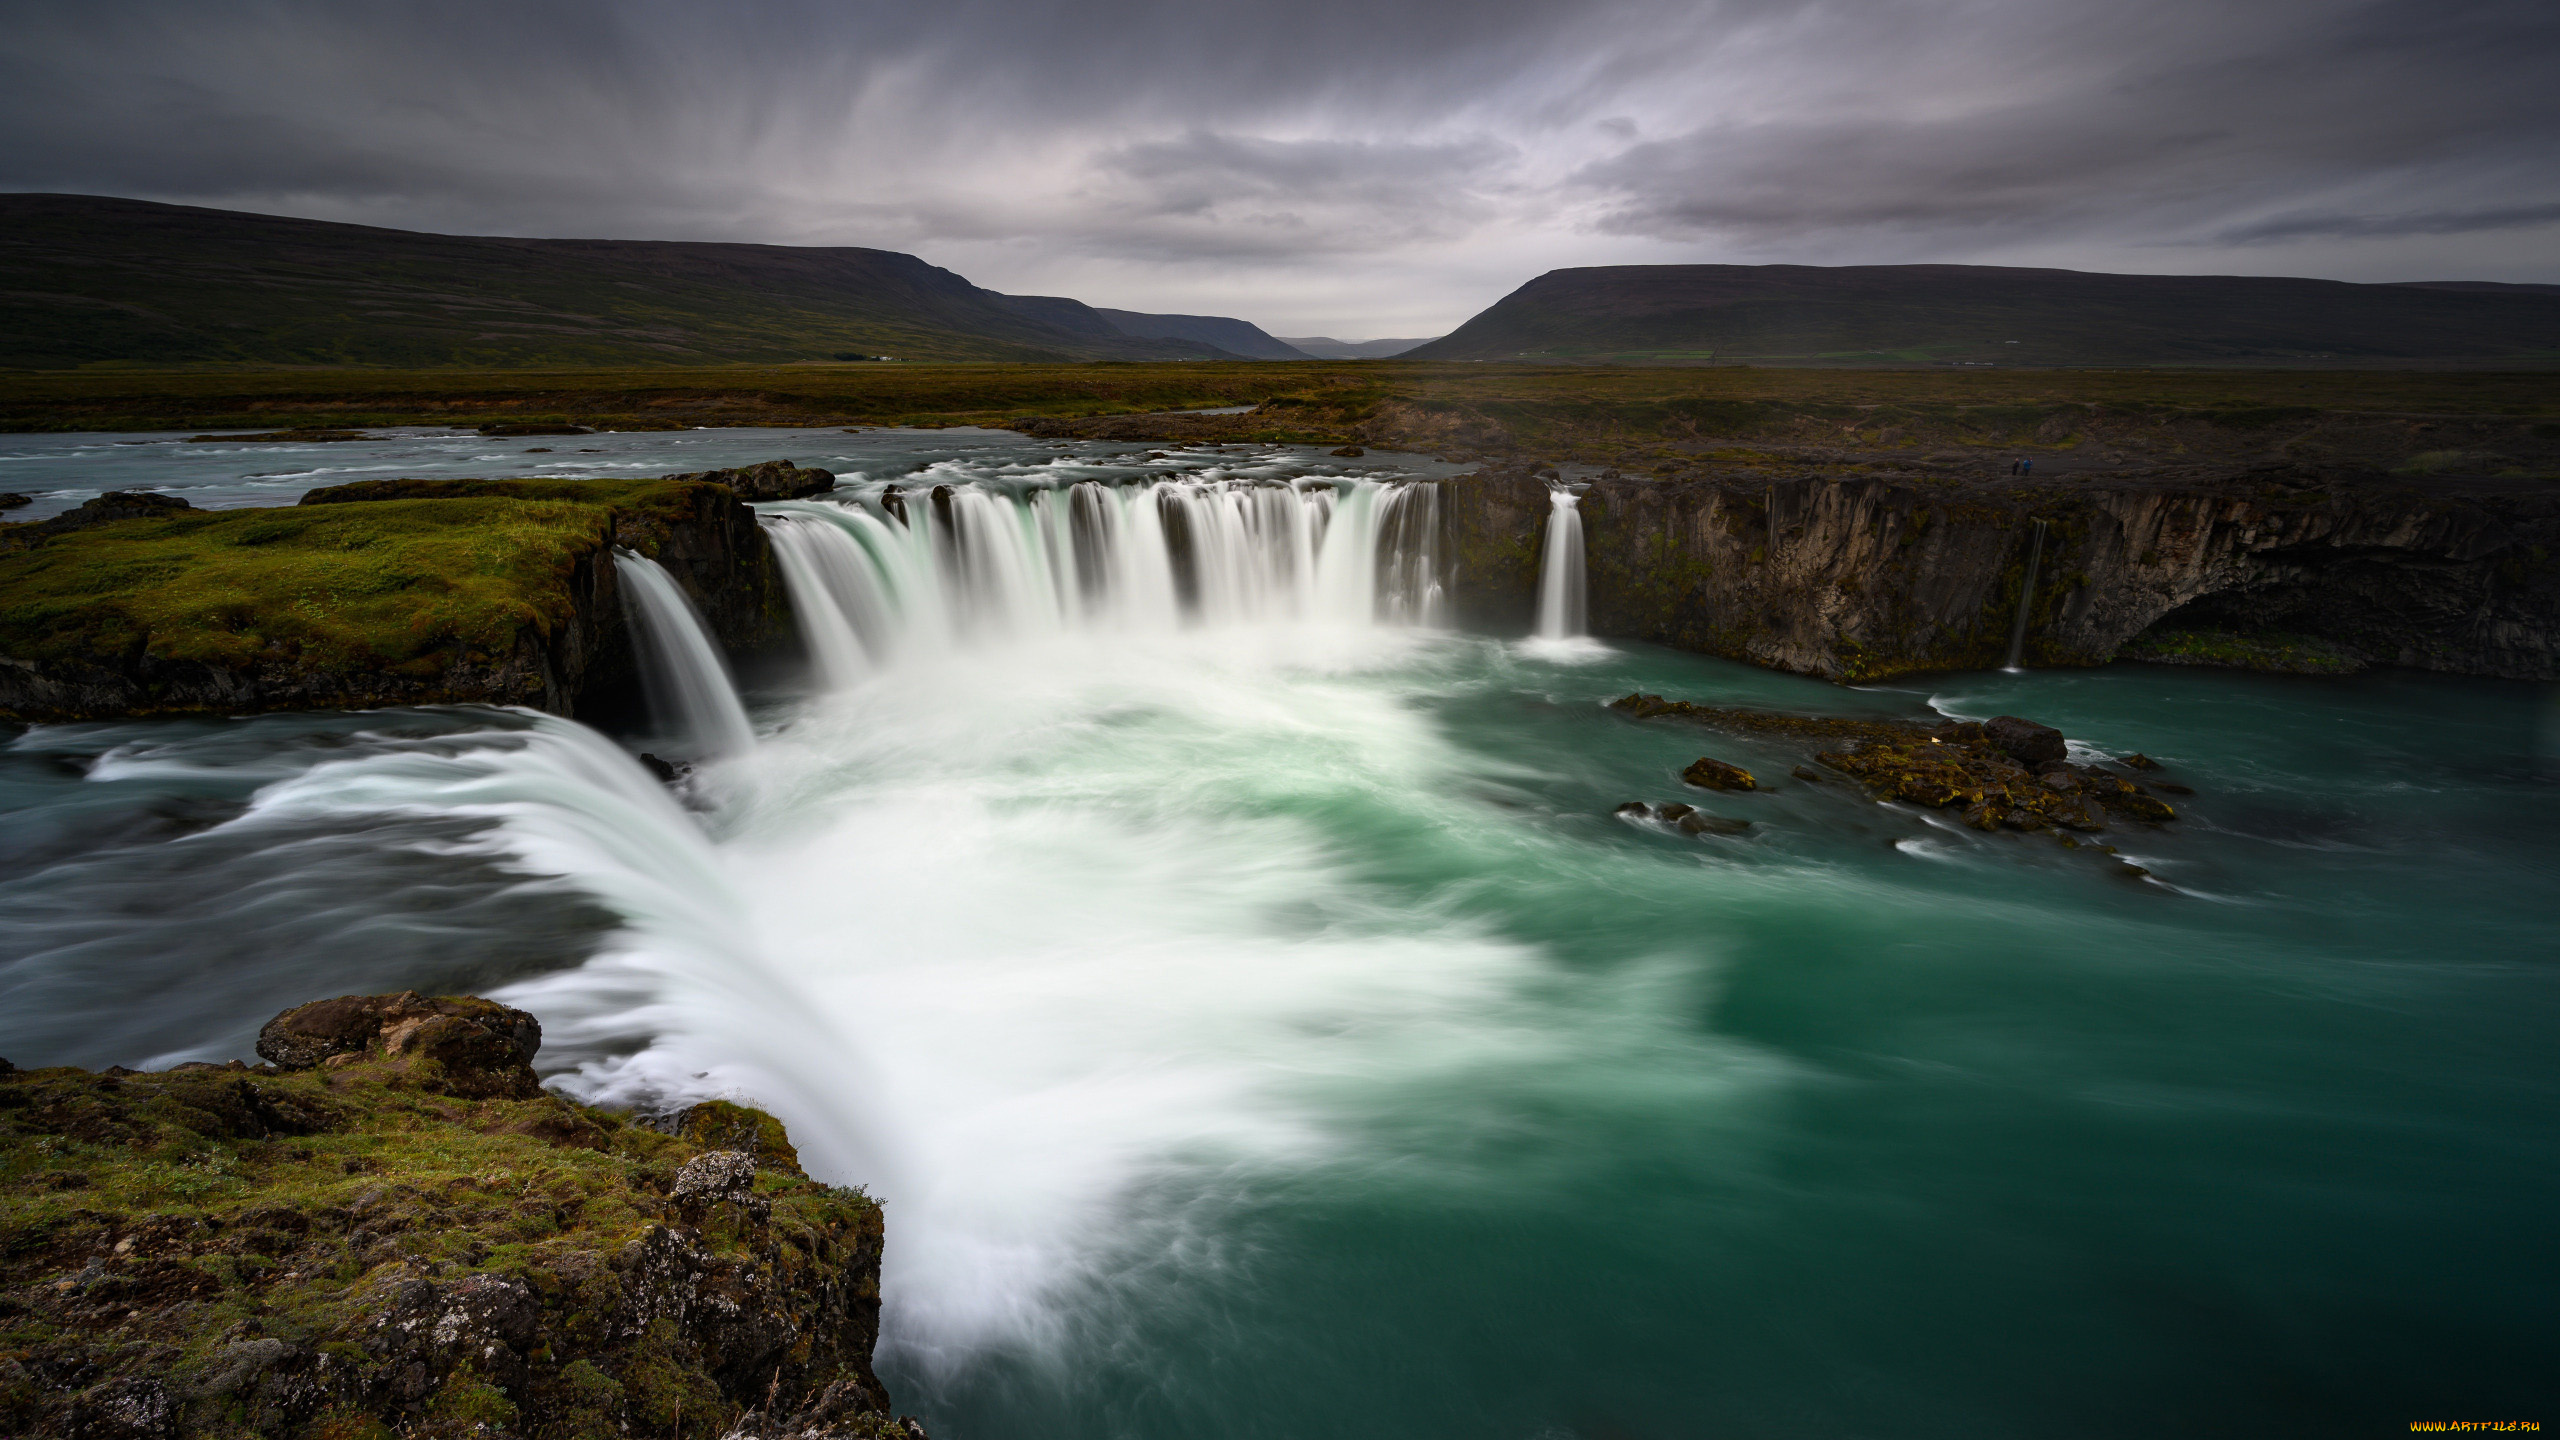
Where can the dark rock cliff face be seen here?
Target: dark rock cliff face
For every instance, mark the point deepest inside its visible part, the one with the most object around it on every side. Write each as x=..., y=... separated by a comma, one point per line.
x=1859, y=578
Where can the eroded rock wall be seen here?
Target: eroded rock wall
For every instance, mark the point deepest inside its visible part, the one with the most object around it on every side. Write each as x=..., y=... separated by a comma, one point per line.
x=1856, y=578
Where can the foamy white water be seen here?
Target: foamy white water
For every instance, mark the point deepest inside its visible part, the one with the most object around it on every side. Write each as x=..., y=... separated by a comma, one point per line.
x=1009, y=919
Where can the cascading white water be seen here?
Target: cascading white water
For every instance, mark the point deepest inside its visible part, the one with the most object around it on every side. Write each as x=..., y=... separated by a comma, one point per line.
x=917, y=569
x=1560, y=582
x=681, y=668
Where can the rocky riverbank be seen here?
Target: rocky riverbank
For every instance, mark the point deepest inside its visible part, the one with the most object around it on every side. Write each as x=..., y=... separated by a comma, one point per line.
x=397, y=592
x=391, y=1229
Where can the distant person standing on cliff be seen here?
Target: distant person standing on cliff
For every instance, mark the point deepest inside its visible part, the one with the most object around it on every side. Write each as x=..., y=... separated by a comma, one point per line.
x=2013, y=466
x=2026, y=467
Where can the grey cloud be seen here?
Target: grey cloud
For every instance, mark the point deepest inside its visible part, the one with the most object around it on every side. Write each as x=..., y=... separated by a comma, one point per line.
x=2436, y=222
x=1300, y=155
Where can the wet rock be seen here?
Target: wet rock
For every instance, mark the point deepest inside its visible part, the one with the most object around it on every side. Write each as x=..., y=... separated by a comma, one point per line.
x=11, y=500
x=2024, y=741
x=667, y=772
x=512, y=429
x=1710, y=773
x=462, y=1045
x=2138, y=806
x=2165, y=787
x=1687, y=819
x=772, y=480
x=112, y=506
x=1349, y=452
x=2138, y=761
x=1807, y=772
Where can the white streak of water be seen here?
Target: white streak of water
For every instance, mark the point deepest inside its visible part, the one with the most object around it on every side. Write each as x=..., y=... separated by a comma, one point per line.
x=680, y=665
x=1560, y=582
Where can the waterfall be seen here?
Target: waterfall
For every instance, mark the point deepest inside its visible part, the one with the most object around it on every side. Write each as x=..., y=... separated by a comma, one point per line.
x=681, y=668
x=2026, y=600
x=1560, y=582
x=877, y=573
x=823, y=570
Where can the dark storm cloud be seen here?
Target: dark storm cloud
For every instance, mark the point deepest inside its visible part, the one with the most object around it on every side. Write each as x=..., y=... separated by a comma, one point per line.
x=1324, y=162
x=2442, y=222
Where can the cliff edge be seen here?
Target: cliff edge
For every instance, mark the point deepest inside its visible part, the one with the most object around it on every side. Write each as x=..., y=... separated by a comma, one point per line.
x=391, y=1229
x=389, y=592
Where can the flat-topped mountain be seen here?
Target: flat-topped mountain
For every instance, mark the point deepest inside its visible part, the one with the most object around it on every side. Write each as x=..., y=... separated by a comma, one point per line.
x=86, y=278
x=1870, y=314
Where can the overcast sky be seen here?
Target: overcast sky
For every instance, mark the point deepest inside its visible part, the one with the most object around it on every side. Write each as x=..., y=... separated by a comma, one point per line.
x=1358, y=168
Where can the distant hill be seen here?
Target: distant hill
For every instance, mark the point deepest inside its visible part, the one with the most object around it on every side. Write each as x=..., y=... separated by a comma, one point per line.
x=1324, y=347
x=1865, y=314
x=1235, y=337
x=86, y=278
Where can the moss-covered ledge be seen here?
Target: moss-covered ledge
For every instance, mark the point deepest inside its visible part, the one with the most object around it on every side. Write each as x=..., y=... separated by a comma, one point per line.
x=492, y=591
x=399, y=1233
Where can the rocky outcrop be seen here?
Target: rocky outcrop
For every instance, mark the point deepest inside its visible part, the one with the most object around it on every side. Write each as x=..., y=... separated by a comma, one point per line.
x=461, y=1045
x=772, y=480
x=391, y=1231
x=114, y=505
x=1856, y=578
x=2003, y=773
x=559, y=642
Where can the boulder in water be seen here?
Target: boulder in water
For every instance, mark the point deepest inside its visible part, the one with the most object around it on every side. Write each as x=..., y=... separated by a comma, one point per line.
x=1687, y=819
x=2024, y=741
x=1710, y=773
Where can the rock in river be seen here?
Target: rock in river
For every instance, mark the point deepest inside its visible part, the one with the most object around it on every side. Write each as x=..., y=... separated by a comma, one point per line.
x=1710, y=773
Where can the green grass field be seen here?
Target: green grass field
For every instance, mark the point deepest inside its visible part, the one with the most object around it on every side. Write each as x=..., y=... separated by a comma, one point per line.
x=872, y=394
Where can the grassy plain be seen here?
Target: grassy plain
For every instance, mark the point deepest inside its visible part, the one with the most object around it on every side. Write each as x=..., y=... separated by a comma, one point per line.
x=1327, y=393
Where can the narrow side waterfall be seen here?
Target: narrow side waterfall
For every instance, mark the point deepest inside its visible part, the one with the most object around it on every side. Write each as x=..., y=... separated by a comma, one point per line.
x=681, y=668
x=2026, y=600
x=1560, y=581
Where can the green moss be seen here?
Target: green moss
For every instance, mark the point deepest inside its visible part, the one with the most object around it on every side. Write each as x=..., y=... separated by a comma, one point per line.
x=378, y=585
x=2272, y=653
x=181, y=1210
x=466, y=1399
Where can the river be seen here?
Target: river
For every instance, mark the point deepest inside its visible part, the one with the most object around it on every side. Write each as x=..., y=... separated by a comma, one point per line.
x=1237, y=987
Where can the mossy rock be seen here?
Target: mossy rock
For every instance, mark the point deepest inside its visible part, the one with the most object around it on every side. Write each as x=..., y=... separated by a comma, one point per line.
x=337, y=1251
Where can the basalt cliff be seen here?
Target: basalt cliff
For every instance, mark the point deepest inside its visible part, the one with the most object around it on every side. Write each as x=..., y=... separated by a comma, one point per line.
x=1857, y=577
x=1858, y=540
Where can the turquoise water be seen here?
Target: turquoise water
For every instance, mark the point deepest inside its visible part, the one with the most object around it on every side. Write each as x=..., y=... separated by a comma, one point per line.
x=1270, y=1031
